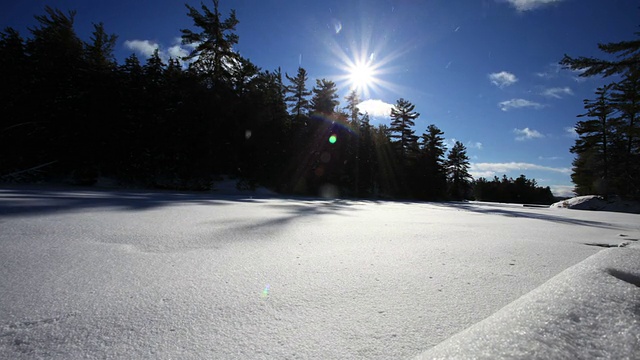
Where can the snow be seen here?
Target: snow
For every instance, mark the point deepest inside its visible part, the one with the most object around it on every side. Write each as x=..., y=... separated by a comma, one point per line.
x=595, y=202
x=590, y=311
x=141, y=274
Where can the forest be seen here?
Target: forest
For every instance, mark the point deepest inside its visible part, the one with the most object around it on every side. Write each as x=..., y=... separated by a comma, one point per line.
x=607, y=150
x=73, y=114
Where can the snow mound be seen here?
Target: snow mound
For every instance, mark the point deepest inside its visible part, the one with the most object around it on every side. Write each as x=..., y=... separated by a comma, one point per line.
x=591, y=310
x=595, y=202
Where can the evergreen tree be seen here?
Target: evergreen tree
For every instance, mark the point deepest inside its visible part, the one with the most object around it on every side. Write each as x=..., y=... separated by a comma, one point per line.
x=625, y=100
x=458, y=171
x=366, y=158
x=325, y=95
x=213, y=46
x=627, y=51
x=432, y=178
x=352, y=107
x=16, y=154
x=298, y=95
x=402, y=121
x=594, y=144
x=520, y=190
x=56, y=57
x=99, y=52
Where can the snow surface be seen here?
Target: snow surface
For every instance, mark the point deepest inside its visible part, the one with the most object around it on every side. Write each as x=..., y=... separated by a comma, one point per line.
x=590, y=311
x=595, y=202
x=135, y=274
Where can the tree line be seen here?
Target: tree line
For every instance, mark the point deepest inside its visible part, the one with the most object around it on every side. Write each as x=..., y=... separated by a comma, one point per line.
x=73, y=113
x=607, y=149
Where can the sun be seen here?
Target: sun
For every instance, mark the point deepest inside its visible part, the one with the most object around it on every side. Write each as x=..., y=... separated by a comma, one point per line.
x=364, y=61
x=361, y=76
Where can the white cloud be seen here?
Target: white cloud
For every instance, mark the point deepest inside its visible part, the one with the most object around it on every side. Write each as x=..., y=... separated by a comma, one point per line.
x=375, y=108
x=526, y=5
x=502, y=79
x=518, y=103
x=557, y=92
x=527, y=134
x=570, y=131
x=489, y=170
x=562, y=190
x=177, y=52
x=144, y=47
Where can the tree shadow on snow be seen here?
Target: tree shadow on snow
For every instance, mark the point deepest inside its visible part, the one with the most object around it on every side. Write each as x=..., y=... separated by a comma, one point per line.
x=34, y=200
x=501, y=210
x=40, y=200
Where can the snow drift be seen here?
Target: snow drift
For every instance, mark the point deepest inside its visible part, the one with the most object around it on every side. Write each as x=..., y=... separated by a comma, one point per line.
x=591, y=310
x=595, y=202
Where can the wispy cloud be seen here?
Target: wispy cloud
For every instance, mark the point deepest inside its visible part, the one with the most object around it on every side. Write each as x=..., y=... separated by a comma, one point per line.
x=375, y=108
x=550, y=72
x=519, y=103
x=502, y=79
x=527, y=134
x=576, y=75
x=570, y=131
x=558, y=92
x=492, y=169
x=144, y=47
x=549, y=158
x=527, y=5
x=475, y=145
x=562, y=190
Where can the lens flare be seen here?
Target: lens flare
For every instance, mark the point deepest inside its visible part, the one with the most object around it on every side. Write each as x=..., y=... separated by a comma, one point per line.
x=363, y=58
x=333, y=138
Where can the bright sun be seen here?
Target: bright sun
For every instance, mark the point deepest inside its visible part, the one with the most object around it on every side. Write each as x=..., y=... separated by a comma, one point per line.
x=361, y=76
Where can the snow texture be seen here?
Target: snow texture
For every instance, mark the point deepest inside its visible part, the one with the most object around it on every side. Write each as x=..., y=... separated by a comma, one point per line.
x=590, y=311
x=595, y=202
x=138, y=274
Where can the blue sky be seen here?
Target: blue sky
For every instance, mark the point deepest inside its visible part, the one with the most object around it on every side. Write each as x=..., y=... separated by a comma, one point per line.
x=483, y=71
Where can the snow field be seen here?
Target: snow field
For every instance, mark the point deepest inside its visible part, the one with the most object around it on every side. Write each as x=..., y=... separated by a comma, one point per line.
x=97, y=274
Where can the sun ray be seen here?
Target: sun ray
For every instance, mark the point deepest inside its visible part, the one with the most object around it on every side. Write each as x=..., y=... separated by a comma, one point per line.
x=363, y=67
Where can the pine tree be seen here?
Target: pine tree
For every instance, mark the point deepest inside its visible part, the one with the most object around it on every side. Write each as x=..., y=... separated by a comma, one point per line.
x=594, y=144
x=213, y=46
x=402, y=121
x=298, y=99
x=458, y=171
x=56, y=57
x=431, y=165
x=627, y=51
x=99, y=52
x=625, y=100
x=325, y=95
x=352, y=107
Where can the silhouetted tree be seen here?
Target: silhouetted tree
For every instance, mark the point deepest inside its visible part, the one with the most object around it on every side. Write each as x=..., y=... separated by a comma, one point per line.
x=213, y=50
x=520, y=190
x=593, y=145
x=298, y=95
x=431, y=173
x=325, y=97
x=402, y=120
x=458, y=171
x=625, y=101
